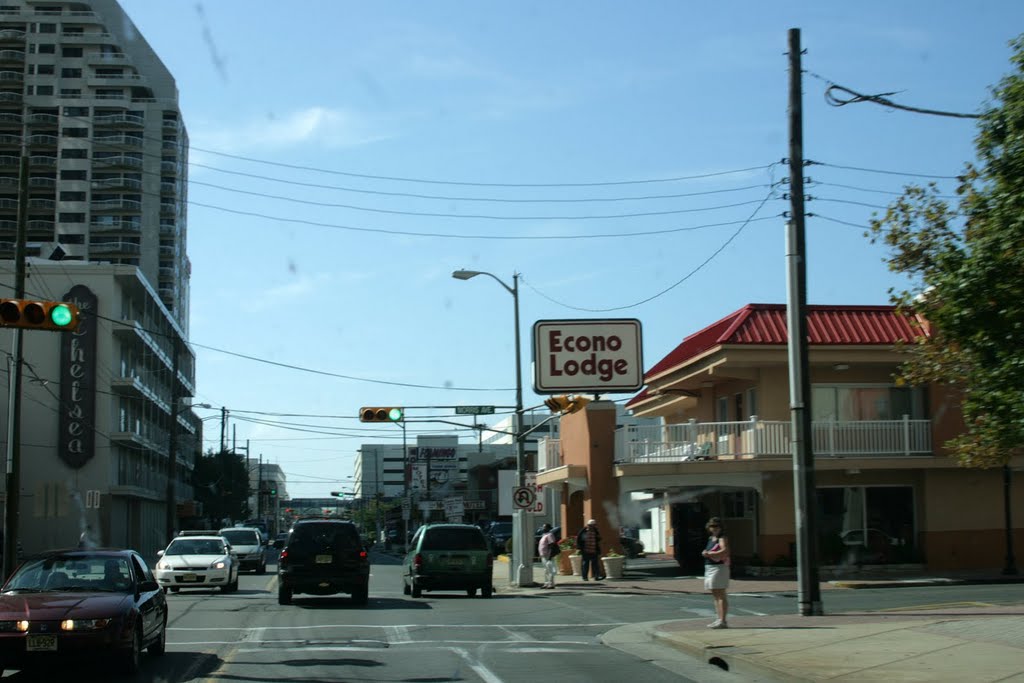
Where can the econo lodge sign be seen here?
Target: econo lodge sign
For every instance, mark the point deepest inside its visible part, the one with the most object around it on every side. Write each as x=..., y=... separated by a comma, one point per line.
x=599, y=356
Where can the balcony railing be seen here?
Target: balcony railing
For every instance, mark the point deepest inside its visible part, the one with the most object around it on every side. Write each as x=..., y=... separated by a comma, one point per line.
x=757, y=439
x=763, y=438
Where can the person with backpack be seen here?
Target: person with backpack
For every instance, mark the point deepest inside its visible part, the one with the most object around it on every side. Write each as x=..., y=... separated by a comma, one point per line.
x=548, y=550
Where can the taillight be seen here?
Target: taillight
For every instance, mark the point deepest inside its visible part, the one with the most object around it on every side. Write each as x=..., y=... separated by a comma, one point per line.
x=362, y=555
x=283, y=558
x=417, y=562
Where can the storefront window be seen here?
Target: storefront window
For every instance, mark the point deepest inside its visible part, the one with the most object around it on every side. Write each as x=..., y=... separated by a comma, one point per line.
x=866, y=525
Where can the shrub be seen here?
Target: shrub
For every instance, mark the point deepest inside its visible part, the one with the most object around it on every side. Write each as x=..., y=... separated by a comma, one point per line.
x=568, y=545
x=612, y=552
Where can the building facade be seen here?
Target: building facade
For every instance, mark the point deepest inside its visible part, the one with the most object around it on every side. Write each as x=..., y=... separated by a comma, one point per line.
x=94, y=111
x=886, y=492
x=102, y=410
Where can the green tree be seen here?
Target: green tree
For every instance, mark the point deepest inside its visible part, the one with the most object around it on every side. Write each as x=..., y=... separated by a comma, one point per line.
x=965, y=262
x=221, y=481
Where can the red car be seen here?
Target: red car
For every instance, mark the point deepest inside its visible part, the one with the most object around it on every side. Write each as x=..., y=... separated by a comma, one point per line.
x=67, y=605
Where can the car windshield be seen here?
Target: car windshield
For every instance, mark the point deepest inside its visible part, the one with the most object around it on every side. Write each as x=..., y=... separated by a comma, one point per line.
x=501, y=528
x=241, y=536
x=73, y=573
x=449, y=538
x=195, y=546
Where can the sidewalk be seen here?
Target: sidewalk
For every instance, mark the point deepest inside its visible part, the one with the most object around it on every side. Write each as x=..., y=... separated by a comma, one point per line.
x=955, y=641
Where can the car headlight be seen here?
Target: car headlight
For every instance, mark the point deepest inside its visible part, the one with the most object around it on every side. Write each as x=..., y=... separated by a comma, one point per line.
x=8, y=626
x=219, y=564
x=84, y=624
x=164, y=565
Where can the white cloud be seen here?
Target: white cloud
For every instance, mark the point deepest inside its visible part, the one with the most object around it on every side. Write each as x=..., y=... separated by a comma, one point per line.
x=313, y=126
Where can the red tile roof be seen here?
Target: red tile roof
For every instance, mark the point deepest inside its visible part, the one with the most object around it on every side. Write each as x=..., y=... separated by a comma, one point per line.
x=766, y=324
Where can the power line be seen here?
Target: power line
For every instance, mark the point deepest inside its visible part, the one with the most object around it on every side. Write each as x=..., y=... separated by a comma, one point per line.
x=886, y=172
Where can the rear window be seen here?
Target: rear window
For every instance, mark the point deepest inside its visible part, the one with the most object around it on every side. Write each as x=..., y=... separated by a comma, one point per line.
x=501, y=528
x=241, y=536
x=338, y=536
x=454, y=539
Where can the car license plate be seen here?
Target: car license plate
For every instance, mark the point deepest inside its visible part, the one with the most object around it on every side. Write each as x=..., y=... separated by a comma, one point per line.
x=323, y=559
x=189, y=578
x=41, y=643
x=456, y=561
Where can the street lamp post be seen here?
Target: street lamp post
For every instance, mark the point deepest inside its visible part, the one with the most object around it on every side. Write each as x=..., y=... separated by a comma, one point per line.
x=520, y=574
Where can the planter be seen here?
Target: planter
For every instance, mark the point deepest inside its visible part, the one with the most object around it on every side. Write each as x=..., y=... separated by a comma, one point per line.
x=576, y=562
x=564, y=564
x=613, y=566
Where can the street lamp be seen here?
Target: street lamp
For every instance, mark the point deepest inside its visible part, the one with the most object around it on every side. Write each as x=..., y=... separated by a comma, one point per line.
x=521, y=574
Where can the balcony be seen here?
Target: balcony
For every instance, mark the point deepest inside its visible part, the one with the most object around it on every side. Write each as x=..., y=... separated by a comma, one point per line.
x=11, y=96
x=8, y=140
x=116, y=204
x=8, y=56
x=771, y=439
x=116, y=161
x=40, y=119
x=168, y=166
x=117, y=225
x=119, y=119
x=128, y=248
x=42, y=182
x=43, y=140
x=8, y=204
x=42, y=161
x=11, y=77
x=120, y=182
x=119, y=140
x=36, y=204
x=74, y=37
x=755, y=439
x=8, y=118
x=109, y=58
x=12, y=35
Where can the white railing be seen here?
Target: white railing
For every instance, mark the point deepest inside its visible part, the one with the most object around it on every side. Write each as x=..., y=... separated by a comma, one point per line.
x=548, y=454
x=762, y=438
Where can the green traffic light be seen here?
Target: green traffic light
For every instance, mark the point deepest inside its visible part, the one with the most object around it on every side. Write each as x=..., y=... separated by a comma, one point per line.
x=61, y=316
x=395, y=414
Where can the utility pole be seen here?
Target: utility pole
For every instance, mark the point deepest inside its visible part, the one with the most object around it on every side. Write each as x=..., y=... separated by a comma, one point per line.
x=13, y=480
x=223, y=428
x=809, y=591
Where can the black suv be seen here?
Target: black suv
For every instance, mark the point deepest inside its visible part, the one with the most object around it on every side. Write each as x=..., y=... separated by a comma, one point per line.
x=323, y=557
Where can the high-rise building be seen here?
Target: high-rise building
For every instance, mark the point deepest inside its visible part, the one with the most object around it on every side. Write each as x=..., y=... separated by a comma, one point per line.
x=95, y=111
x=93, y=159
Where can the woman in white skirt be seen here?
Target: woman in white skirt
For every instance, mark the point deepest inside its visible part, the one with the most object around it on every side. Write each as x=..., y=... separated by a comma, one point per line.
x=716, y=570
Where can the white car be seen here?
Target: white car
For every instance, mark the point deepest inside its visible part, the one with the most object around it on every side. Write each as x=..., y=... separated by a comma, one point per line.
x=247, y=543
x=197, y=562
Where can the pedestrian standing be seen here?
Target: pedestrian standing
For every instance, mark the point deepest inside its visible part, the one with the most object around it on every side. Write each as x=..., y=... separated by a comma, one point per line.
x=546, y=548
x=588, y=541
x=716, y=570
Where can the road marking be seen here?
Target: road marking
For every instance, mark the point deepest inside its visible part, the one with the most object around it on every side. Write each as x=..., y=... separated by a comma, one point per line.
x=699, y=611
x=400, y=634
x=481, y=670
x=417, y=626
x=515, y=635
x=305, y=645
x=749, y=611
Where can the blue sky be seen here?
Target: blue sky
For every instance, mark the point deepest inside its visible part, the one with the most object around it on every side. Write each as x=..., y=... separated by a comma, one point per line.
x=347, y=157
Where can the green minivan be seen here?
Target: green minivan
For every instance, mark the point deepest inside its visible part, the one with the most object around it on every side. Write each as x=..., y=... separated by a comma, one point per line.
x=448, y=557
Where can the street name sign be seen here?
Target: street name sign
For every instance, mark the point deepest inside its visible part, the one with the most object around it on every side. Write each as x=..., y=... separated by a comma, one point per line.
x=474, y=410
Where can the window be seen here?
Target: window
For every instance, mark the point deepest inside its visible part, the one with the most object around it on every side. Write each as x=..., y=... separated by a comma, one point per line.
x=46, y=28
x=722, y=409
x=73, y=175
x=69, y=196
x=71, y=52
x=46, y=48
x=71, y=153
x=70, y=92
x=42, y=90
x=71, y=238
x=44, y=69
x=69, y=72
x=866, y=524
x=76, y=111
x=853, y=403
x=77, y=132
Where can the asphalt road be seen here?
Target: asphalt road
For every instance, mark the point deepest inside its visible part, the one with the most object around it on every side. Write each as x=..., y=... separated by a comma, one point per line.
x=447, y=636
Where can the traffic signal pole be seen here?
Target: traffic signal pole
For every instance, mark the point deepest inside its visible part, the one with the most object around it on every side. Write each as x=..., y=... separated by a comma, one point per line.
x=13, y=480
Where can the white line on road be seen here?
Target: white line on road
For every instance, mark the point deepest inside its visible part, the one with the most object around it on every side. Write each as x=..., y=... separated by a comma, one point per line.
x=514, y=635
x=481, y=670
x=749, y=611
x=387, y=626
x=400, y=634
x=299, y=645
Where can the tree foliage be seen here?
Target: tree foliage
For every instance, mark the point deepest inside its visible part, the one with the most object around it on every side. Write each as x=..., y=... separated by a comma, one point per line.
x=965, y=261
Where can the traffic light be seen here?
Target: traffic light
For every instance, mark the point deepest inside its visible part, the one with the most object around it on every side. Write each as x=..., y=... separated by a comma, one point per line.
x=273, y=489
x=381, y=414
x=39, y=315
x=338, y=494
x=566, y=404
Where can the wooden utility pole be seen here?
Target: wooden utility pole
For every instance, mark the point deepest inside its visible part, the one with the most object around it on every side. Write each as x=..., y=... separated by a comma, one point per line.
x=804, y=496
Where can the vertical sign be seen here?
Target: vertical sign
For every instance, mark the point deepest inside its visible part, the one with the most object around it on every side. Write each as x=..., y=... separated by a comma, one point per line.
x=76, y=442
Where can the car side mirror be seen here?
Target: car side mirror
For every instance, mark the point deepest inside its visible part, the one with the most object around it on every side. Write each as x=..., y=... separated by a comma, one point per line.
x=148, y=586
x=159, y=553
